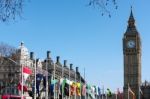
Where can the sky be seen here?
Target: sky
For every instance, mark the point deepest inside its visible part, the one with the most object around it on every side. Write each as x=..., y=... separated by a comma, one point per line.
x=79, y=34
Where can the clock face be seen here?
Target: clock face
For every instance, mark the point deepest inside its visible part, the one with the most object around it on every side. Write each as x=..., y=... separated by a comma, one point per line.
x=131, y=44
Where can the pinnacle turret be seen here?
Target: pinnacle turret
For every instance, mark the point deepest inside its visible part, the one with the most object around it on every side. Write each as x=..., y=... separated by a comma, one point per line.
x=131, y=24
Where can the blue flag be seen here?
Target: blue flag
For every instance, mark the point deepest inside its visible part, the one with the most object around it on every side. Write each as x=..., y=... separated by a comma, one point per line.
x=39, y=77
x=99, y=91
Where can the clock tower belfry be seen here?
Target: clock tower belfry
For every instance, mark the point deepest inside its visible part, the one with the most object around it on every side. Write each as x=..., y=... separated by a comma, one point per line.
x=132, y=59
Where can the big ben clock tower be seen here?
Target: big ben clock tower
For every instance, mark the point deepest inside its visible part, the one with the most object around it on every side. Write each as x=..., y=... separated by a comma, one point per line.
x=132, y=59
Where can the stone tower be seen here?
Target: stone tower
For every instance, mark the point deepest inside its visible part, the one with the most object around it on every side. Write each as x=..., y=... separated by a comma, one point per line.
x=132, y=59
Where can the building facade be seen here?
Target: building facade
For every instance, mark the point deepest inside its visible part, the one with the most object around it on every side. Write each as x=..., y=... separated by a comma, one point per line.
x=10, y=71
x=132, y=64
x=132, y=59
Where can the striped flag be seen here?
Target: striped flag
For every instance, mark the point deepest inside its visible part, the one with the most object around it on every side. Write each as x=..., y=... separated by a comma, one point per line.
x=26, y=72
x=130, y=91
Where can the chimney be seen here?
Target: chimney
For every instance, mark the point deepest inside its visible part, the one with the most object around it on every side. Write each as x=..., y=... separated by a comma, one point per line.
x=48, y=54
x=37, y=60
x=65, y=63
x=31, y=55
x=71, y=66
x=77, y=69
x=57, y=59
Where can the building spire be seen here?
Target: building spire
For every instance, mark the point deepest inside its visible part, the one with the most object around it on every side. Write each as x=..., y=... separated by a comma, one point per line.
x=131, y=15
x=131, y=22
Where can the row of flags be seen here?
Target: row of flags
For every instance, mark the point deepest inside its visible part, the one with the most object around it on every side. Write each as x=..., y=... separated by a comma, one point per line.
x=66, y=87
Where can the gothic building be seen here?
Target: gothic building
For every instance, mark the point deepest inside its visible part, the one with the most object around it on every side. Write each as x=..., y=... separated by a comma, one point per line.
x=132, y=58
x=132, y=63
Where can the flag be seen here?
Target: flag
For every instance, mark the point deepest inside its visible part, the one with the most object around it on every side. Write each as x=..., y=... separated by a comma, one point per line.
x=39, y=78
x=140, y=90
x=73, y=88
x=52, y=89
x=118, y=93
x=109, y=92
x=66, y=89
x=84, y=90
x=78, y=89
x=44, y=81
x=130, y=91
x=19, y=87
x=58, y=87
x=99, y=91
x=92, y=92
x=63, y=86
x=88, y=87
x=26, y=72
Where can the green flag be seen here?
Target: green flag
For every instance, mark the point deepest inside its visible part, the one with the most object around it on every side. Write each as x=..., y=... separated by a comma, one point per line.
x=109, y=92
x=63, y=85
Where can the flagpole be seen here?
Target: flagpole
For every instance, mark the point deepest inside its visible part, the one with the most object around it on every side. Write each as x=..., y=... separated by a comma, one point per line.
x=35, y=63
x=85, y=83
x=88, y=92
x=139, y=93
x=22, y=81
x=46, y=80
x=76, y=87
x=62, y=82
x=106, y=94
x=80, y=85
x=69, y=81
x=54, y=80
x=128, y=90
x=116, y=95
x=103, y=91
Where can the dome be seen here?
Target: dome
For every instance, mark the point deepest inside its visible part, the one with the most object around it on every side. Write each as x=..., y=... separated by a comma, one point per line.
x=23, y=50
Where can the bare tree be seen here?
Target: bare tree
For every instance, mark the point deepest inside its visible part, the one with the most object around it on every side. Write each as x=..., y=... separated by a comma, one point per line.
x=105, y=6
x=10, y=9
x=7, y=50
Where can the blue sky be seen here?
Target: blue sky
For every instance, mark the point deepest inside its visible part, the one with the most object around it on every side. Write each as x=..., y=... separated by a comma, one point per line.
x=79, y=34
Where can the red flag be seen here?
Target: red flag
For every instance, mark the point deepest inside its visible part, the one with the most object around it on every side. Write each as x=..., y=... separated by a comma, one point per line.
x=73, y=88
x=24, y=87
x=26, y=72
